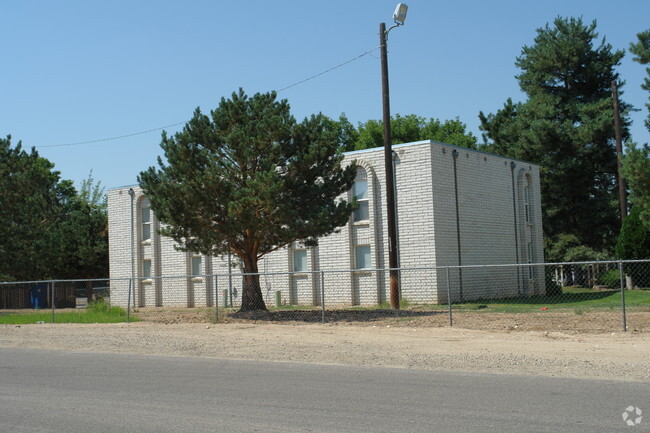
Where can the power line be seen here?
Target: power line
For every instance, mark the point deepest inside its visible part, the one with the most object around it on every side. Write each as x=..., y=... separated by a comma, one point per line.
x=181, y=123
x=112, y=138
x=329, y=70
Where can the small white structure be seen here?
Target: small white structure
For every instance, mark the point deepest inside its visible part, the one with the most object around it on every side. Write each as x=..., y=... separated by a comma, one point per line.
x=455, y=206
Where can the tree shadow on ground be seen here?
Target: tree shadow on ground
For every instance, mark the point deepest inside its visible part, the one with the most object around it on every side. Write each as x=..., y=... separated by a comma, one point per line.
x=316, y=316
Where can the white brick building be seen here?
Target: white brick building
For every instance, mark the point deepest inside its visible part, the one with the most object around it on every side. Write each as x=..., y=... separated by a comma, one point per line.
x=455, y=206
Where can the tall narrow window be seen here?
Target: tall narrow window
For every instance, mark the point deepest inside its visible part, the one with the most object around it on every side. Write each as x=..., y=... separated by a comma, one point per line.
x=146, y=222
x=146, y=268
x=300, y=260
x=360, y=193
x=362, y=257
x=530, y=260
x=196, y=266
x=527, y=199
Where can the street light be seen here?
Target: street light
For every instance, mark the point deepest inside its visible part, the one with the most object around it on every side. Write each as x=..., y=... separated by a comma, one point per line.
x=399, y=16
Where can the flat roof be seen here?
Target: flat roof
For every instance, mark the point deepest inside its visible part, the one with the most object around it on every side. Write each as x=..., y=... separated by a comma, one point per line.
x=414, y=143
x=397, y=146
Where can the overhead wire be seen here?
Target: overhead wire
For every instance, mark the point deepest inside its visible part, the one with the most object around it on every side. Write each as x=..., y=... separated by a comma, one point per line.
x=119, y=137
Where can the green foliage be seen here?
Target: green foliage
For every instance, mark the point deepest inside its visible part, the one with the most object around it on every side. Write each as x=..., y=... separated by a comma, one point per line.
x=634, y=240
x=405, y=129
x=250, y=179
x=47, y=230
x=641, y=50
x=92, y=192
x=636, y=171
x=568, y=248
x=102, y=307
x=634, y=243
x=611, y=279
x=566, y=127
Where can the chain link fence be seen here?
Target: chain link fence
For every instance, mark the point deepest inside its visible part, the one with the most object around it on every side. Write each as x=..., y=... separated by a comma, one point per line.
x=601, y=296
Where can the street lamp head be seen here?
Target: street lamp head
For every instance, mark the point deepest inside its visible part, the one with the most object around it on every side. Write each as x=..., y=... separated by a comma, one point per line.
x=399, y=16
x=131, y=192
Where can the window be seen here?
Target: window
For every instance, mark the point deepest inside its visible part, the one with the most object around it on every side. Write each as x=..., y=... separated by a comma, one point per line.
x=530, y=260
x=146, y=268
x=360, y=193
x=300, y=260
x=146, y=222
x=362, y=257
x=196, y=266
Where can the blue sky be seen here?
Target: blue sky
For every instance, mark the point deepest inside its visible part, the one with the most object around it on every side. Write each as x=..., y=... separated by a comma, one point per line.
x=83, y=70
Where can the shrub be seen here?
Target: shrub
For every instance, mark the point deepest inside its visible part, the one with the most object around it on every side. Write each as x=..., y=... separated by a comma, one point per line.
x=611, y=279
x=633, y=243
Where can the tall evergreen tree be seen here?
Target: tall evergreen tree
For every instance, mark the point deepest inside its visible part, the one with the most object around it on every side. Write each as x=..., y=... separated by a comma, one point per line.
x=249, y=179
x=641, y=51
x=48, y=231
x=566, y=127
x=636, y=170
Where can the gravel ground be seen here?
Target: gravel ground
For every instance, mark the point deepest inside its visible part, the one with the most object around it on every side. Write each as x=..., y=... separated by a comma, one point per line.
x=613, y=356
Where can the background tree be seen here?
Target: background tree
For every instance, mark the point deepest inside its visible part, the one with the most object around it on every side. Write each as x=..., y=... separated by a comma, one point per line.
x=636, y=171
x=249, y=179
x=48, y=231
x=636, y=160
x=641, y=51
x=566, y=127
x=31, y=201
x=634, y=243
x=85, y=230
x=405, y=129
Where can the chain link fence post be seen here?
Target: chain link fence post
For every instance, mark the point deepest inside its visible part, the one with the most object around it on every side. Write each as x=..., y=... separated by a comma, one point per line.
x=451, y=322
x=128, y=301
x=216, y=299
x=622, y=277
x=322, y=294
x=53, y=299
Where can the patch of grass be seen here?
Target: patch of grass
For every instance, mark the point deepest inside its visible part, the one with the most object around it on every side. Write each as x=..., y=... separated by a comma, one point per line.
x=578, y=298
x=97, y=312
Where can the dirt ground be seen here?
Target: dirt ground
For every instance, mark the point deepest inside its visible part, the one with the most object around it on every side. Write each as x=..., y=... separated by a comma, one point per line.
x=567, y=320
x=503, y=345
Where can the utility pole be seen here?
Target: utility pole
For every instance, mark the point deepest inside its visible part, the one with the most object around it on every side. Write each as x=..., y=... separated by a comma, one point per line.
x=619, y=154
x=399, y=16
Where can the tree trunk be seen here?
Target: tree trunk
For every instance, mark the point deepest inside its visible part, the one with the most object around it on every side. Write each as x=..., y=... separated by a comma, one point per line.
x=252, y=299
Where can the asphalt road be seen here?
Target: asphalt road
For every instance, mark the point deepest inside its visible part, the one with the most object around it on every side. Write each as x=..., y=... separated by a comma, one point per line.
x=52, y=391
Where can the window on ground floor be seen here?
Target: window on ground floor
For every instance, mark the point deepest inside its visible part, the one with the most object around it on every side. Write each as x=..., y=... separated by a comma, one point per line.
x=362, y=259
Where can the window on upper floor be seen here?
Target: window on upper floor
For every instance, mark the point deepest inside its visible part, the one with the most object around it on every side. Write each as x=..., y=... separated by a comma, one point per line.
x=360, y=193
x=145, y=219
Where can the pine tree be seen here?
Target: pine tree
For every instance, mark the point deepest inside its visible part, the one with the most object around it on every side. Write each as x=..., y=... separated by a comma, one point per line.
x=566, y=127
x=249, y=179
x=641, y=50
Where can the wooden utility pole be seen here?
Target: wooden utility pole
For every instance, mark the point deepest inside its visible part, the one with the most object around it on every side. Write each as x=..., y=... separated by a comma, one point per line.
x=390, y=181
